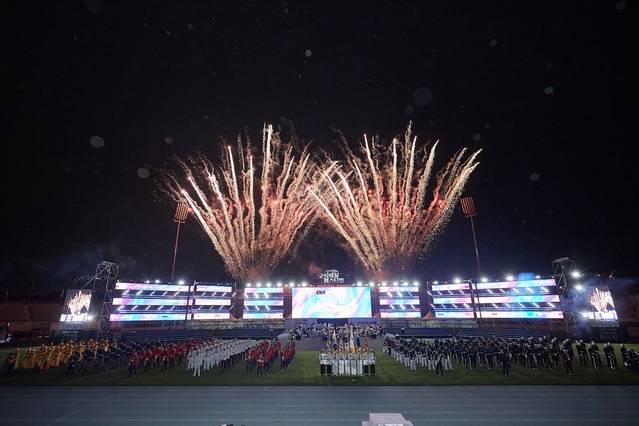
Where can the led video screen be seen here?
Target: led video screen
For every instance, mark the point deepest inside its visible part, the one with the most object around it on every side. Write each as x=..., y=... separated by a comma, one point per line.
x=525, y=299
x=263, y=303
x=399, y=302
x=331, y=302
x=602, y=312
x=76, y=306
x=169, y=302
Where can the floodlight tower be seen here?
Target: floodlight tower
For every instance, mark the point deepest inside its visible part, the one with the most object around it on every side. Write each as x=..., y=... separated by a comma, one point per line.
x=468, y=206
x=180, y=217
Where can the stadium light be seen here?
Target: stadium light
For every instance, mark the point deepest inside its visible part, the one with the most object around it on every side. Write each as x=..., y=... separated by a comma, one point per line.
x=468, y=206
x=181, y=211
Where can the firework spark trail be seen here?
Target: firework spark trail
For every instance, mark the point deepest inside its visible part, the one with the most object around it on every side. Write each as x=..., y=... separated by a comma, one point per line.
x=380, y=207
x=253, y=232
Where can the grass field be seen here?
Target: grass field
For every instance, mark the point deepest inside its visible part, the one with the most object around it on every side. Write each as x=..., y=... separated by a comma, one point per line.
x=304, y=371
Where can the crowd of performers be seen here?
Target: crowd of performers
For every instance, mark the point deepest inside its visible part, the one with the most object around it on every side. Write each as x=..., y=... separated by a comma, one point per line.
x=500, y=354
x=356, y=363
x=326, y=331
x=223, y=354
x=144, y=356
x=345, y=355
x=342, y=356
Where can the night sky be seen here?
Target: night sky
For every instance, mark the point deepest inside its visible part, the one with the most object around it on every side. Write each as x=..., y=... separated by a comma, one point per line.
x=98, y=95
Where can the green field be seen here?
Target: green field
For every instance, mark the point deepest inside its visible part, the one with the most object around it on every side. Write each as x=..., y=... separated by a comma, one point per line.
x=304, y=371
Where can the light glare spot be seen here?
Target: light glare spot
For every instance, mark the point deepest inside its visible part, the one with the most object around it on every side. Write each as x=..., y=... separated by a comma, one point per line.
x=96, y=142
x=422, y=96
x=143, y=173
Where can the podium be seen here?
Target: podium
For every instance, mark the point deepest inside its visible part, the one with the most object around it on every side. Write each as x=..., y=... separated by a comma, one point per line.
x=386, y=419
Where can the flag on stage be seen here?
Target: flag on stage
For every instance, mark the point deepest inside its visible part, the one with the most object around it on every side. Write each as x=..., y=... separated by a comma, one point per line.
x=328, y=340
x=365, y=341
x=358, y=345
x=334, y=342
x=351, y=341
x=341, y=345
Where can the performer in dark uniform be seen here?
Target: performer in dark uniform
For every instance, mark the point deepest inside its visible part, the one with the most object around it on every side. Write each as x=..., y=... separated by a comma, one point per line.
x=568, y=362
x=505, y=363
x=371, y=362
x=322, y=361
x=439, y=365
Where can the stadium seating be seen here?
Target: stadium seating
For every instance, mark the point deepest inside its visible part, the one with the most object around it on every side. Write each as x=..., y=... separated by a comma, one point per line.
x=251, y=333
x=165, y=335
x=419, y=333
x=14, y=312
x=503, y=333
x=45, y=312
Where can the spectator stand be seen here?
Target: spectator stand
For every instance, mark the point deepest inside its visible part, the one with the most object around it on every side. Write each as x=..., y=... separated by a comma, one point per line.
x=251, y=333
x=168, y=335
x=503, y=333
x=418, y=333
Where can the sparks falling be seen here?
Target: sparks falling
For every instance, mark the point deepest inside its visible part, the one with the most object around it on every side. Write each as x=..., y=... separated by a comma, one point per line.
x=253, y=217
x=379, y=202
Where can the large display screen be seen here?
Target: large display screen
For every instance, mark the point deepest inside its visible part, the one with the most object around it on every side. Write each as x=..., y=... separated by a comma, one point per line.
x=263, y=303
x=399, y=302
x=533, y=299
x=602, y=312
x=331, y=302
x=170, y=302
x=76, y=306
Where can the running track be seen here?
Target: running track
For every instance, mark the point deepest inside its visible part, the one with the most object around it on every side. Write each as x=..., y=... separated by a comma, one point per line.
x=319, y=406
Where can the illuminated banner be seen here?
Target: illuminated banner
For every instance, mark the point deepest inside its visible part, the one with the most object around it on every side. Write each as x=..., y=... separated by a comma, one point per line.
x=497, y=299
x=414, y=302
x=212, y=302
x=446, y=287
x=451, y=300
x=152, y=302
x=512, y=284
x=263, y=302
x=331, y=302
x=151, y=287
x=258, y=315
x=454, y=314
x=252, y=290
x=214, y=288
x=211, y=315
x=76, y=306
x=414, y=289
x=522, y=314
x=147, y=317
x=399, y=314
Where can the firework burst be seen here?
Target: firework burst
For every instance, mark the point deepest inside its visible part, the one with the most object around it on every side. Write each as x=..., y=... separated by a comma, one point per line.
x=380, y=201
x=254, y=214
